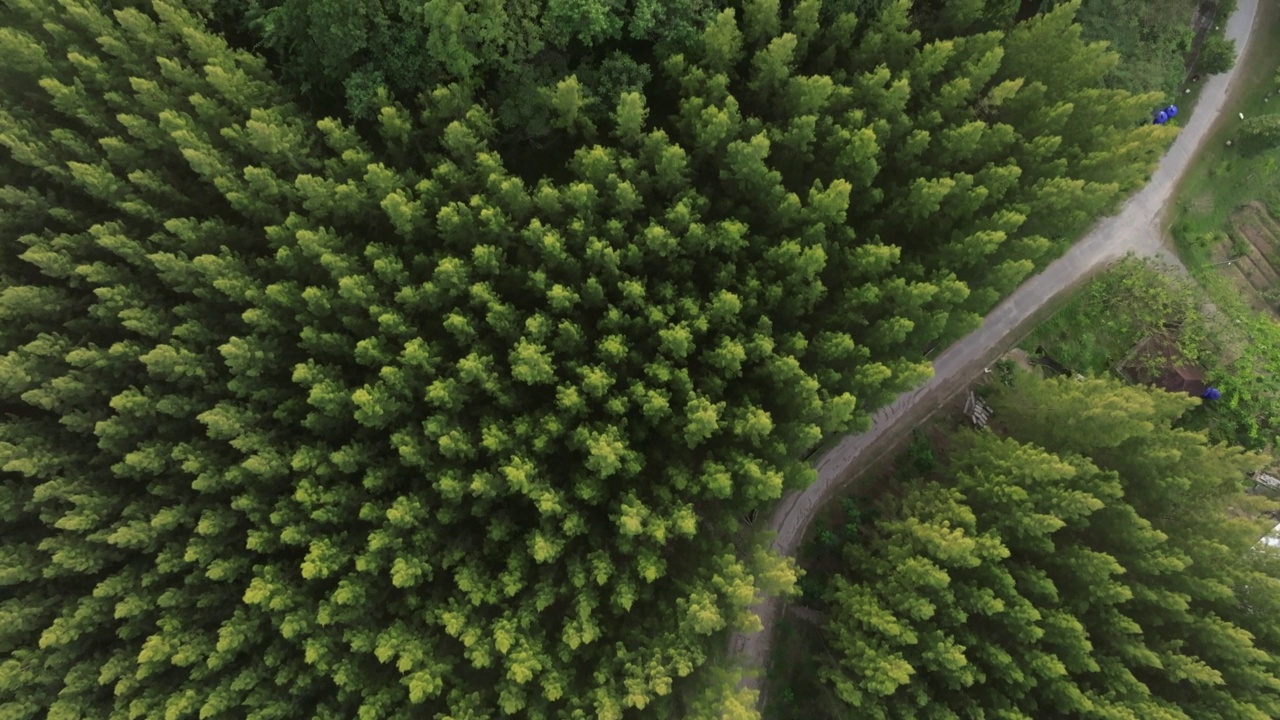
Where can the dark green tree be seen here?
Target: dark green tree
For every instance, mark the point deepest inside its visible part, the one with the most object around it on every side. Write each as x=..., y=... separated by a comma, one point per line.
x=1263, y=130
x=1217, y=55
x=345, y=53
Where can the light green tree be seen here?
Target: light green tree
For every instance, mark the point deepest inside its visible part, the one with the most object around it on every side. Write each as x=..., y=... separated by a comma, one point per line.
x=1089, y=565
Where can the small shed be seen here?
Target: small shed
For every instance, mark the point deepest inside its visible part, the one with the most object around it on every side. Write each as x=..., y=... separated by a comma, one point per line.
x=1264, y=482
x=1157, y=361
x=1187, y=379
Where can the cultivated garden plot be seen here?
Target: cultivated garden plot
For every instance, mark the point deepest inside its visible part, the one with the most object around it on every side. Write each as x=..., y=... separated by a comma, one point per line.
x=1252, y=259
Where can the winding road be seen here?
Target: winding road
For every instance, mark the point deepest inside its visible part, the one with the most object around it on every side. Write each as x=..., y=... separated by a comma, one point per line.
x=1136, y=229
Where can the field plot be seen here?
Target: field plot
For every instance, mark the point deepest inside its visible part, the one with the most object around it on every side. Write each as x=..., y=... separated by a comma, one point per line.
x=1252, y=258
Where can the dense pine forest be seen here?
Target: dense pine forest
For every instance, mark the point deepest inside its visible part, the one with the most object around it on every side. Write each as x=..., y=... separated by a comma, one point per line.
x=348, y=381
x=1096, y=562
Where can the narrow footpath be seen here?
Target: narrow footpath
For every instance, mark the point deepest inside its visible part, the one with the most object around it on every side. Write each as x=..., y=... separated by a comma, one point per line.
x=1137, y=229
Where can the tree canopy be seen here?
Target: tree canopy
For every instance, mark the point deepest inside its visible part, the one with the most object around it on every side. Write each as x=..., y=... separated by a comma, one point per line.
x=375, y=420
x=1094, y=563
x=343, y=52
x=1263, y=130
x=1217, y=55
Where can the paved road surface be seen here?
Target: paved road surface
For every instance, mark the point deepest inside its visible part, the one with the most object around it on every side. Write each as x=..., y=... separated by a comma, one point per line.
x=1136, y=229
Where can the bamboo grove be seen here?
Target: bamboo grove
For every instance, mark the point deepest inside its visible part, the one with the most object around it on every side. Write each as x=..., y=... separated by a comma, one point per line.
x=304, y=419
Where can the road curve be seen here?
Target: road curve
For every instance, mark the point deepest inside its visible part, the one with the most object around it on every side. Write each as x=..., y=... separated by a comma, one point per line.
x=1135, y=229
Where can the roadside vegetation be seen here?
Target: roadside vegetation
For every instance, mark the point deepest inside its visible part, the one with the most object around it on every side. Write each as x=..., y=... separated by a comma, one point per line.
x=1034, y=564
x=1205, y=319
x=1155, y=39
x=1132, y=300
x=1166, y=46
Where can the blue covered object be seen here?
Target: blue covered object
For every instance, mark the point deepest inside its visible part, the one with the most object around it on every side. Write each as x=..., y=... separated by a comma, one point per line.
x=1161, y=118
x=1211, y=394
x=1172, y=111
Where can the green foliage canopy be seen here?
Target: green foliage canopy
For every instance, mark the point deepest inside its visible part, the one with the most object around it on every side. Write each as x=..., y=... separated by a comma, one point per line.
x=346, y=51
x=1262, y=129
x=279, y=415
x=1090, y=565
x=1135, y=300
x=1217, y=55
x=411, y=435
